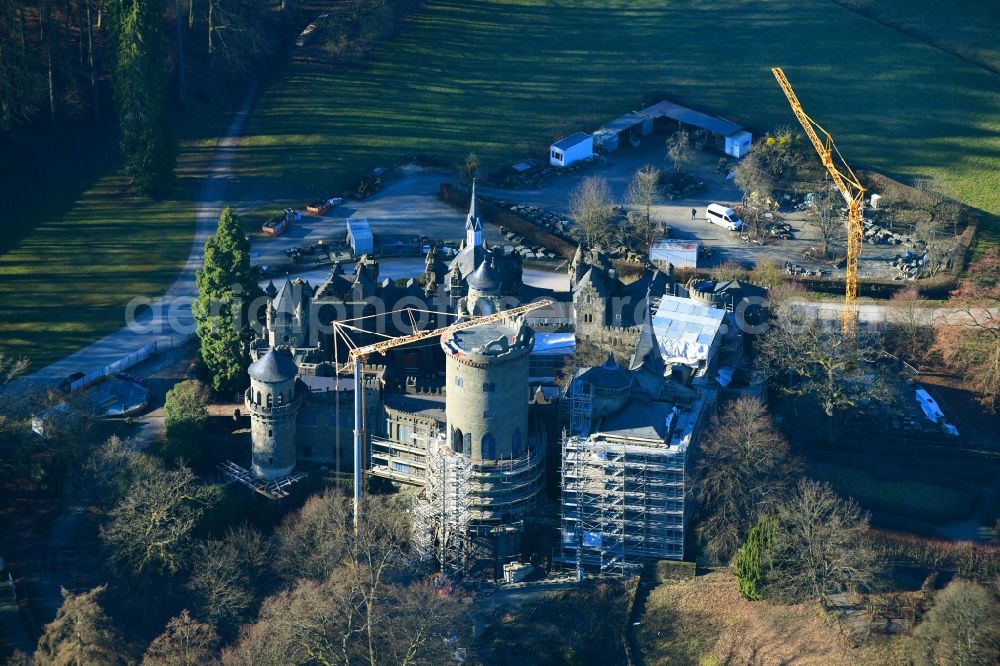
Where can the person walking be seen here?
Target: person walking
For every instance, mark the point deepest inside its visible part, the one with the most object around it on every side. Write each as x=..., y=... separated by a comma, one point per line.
x=694, y=213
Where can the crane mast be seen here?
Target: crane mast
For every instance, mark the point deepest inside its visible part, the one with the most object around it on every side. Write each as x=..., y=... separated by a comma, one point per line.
x=850, y=188
x=358, y=355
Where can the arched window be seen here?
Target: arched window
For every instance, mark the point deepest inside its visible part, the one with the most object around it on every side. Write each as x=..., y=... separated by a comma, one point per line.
x=270, y=400
x=281, y=398
x=489, y=447
x=258, y=397
x=516, y=444
x=456, y=440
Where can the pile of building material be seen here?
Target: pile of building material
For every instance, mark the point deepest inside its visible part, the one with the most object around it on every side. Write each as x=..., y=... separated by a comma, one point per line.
x=546, y=219
x=795, y=269
x=518, y=246
x=879, y=235
x=909, y=265
x=529, y=174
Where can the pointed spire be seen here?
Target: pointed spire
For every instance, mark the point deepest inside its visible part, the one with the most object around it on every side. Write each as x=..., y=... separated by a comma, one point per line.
x=473, y=217
x=271, y=290
x=578, y=257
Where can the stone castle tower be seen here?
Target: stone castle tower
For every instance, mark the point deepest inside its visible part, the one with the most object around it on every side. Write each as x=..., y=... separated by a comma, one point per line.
x=487, y=395
x=288, y=314
x=486, y=409
x=273, y=403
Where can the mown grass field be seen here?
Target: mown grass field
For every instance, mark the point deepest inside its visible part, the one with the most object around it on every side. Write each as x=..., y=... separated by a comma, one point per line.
x=505, y=77
x=76, y=245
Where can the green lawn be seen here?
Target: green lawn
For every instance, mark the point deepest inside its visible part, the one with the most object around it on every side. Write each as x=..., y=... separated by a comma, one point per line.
x=76, y=245
x=505, y=77
x=916, y=499
x=967, y=28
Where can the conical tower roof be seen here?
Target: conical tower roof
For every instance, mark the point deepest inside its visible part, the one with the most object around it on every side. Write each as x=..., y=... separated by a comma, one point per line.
x=277, y=365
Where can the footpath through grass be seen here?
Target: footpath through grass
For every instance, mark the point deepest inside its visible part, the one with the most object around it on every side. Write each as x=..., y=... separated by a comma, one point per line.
x=505, y=77
x=76, y=245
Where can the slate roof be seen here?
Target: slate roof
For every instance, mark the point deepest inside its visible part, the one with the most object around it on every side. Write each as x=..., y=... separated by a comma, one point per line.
x=485, y=278
x=275, y=366
x=610, y=376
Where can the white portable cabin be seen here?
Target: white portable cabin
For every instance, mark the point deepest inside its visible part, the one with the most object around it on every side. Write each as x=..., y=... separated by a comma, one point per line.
x=359, y=235
x=573, y=148
x=674, y=251
x=738, y=143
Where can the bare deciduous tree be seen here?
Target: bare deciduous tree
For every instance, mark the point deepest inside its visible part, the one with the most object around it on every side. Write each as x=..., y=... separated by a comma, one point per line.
x=312, y=542
x=679, y=151
x=820, y=548
x=642, y=195
x=469, y=170
x=82, y=633
x=969, y=340
x=960, y=628
x=742, y=473
x=11, y=368
x=806, y=356
x=910, y=325
x=368, y=609
x=590, y=205
x=150, y=528
x=184, y=642
x=228, y=574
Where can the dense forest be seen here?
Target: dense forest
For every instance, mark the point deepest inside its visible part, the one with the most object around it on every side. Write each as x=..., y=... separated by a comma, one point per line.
x=78, y=66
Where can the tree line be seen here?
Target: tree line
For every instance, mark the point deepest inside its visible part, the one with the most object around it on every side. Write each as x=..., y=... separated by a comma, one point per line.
x=87, y=65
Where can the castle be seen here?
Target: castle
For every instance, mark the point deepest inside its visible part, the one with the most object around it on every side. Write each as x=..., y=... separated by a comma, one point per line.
x=468, y=420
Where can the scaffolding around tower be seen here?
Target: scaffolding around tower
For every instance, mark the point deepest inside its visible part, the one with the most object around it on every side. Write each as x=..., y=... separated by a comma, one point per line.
x=442, y=517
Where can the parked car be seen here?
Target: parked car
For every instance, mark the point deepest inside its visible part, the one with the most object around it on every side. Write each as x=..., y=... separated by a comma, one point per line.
x=724, y=217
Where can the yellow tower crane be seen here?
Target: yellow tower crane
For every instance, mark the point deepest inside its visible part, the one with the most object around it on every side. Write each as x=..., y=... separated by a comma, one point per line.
x=852, y=191
x=358, y=355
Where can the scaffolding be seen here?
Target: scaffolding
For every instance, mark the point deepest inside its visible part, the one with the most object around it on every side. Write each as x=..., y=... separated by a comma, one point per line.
x=581, y=407
x=276, y=489
x=441, y=528
x=622, y=503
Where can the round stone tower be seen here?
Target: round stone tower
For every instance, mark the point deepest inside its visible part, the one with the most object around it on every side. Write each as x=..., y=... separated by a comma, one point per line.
x=486, y=402
x=273, y=403
x=486, y=409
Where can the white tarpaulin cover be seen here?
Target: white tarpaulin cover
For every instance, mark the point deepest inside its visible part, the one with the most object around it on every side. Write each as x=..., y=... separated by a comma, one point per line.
x=686, y=330
x=929, y=405
x=554, y=343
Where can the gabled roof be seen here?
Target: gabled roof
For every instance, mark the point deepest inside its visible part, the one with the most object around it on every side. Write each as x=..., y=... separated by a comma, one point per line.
x=290, y=296
x=647, y=351
x=594, y=277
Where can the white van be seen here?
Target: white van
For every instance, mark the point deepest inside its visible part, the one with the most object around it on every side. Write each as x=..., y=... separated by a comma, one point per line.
x=724, y=217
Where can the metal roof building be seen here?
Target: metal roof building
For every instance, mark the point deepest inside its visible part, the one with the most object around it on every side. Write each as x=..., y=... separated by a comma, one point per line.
x=359, y=235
